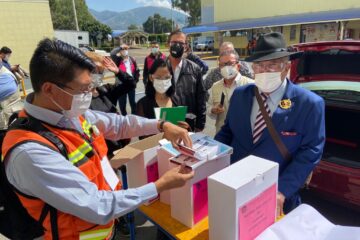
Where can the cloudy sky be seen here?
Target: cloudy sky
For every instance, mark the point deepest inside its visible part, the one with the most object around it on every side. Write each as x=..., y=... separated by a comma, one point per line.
x=123, y=5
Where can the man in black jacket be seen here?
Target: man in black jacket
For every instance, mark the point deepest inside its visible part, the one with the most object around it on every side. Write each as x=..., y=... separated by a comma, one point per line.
x=189, y=86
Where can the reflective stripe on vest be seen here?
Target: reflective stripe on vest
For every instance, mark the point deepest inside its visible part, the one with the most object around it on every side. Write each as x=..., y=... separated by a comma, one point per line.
x=79, y=153
x=86, y=128
x=96, y=234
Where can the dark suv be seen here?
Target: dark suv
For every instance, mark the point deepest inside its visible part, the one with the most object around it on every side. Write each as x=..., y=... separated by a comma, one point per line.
x=332, y=70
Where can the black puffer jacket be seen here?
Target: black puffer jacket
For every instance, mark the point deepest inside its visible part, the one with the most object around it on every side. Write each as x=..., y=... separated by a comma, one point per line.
x=190, y=91
x=106, y=102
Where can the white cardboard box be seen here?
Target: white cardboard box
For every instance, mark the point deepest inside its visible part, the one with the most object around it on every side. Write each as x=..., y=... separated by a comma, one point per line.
x=242, y=199
x=141, y=161
x=189, y=204
x=304, y=222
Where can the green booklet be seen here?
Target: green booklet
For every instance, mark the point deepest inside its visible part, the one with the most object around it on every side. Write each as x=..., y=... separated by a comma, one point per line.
x=172, y=114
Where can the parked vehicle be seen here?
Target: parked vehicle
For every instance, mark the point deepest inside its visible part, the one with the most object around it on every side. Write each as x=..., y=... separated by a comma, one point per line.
x=332, y=70
x=74, y=38
x=205, y=46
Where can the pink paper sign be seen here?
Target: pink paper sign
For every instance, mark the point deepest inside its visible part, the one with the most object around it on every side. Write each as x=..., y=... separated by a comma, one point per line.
x=152, y=172
x=258, y=214
x=200, y=200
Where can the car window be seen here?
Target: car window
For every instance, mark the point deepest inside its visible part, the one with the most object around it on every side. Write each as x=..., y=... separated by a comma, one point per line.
x=333, y=61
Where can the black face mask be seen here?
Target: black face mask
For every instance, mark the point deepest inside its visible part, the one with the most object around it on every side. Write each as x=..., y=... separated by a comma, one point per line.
x=176, y=50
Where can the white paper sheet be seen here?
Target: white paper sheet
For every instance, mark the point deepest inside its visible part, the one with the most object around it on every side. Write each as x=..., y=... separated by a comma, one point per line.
x=305, y=222
x=109, y=174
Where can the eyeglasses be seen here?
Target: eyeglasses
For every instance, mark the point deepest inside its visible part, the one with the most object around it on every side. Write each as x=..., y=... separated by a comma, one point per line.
x=161, y=77
x=227, y=64
x=269, y=67
x=88, y=89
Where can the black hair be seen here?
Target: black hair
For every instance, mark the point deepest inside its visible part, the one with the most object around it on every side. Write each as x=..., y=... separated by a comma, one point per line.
x=176, y=32
x=57, y=62
x=149, y=89
x=5, y=50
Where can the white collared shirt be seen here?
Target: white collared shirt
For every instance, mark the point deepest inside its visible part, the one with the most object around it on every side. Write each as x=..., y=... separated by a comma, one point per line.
x=273, y=102
x=127, y=63
x=177, y=71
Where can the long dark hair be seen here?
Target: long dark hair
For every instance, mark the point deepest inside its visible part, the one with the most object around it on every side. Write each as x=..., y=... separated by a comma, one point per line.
x=150, y=90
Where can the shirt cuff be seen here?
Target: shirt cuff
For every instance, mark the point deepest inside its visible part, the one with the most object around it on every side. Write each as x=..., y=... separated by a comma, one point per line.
x=153, y=126
x=147, y=192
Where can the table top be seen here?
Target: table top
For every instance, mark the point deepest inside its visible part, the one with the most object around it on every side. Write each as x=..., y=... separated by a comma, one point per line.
x=160, y=214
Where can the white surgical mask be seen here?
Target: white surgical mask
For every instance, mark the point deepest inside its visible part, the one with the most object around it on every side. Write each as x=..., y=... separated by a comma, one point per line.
x=125, y=53
x=161, y=86
x=154, y=50
x=79, y=105
x=229, y=72
x=7, y=57
x=268, y=82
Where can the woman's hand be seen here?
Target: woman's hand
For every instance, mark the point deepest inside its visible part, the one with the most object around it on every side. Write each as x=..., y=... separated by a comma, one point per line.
x=110, y=65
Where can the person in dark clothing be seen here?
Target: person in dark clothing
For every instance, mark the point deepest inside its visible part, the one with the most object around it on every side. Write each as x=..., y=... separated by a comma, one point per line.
x=196, y=59
x=149, y=60
x=188, y=82
x=104, y=96
x=158, y=92
x=128, y=66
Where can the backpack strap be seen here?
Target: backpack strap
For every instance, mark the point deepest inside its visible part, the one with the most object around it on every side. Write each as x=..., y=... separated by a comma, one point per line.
x=32, y=124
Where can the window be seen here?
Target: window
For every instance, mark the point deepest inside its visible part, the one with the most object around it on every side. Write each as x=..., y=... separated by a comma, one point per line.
x=79, y=37
x=292, y=33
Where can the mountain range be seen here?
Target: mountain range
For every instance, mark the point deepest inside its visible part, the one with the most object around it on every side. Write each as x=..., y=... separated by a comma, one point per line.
x=137, y=16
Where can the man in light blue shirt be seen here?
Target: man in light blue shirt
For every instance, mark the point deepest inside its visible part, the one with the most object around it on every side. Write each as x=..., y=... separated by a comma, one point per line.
x=10, y=100
x=61, y=79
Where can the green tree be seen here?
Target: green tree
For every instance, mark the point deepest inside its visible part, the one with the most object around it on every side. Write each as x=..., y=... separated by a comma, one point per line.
x=157, y=24
x=63, y=18
x=193, y=7
x=133, y=27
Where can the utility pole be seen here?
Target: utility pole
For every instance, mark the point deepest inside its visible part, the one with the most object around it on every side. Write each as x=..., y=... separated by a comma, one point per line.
x=75, y=15
x=172, y=19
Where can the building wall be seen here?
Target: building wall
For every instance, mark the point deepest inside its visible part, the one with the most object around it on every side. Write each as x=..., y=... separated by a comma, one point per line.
x=207, y=11
x=229, y=10
x=23, y=24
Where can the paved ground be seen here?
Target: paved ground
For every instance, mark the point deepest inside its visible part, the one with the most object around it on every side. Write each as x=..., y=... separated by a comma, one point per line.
x=146, y=231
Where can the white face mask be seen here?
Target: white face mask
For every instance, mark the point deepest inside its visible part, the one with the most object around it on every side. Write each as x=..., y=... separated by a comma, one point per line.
x=79, y=105
x=7, y=57
x=154, y=50
x=229, y=72
x=268, y=82
x=161, y=86
x=124, y=53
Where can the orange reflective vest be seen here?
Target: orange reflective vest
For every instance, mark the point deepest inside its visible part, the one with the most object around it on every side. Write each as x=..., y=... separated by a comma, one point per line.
x=85, y=153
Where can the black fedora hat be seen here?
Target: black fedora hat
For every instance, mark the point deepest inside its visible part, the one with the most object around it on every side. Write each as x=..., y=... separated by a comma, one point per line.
x=269, y=46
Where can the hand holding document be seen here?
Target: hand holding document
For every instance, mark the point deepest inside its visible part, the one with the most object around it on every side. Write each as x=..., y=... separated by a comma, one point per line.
x=204, y=149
